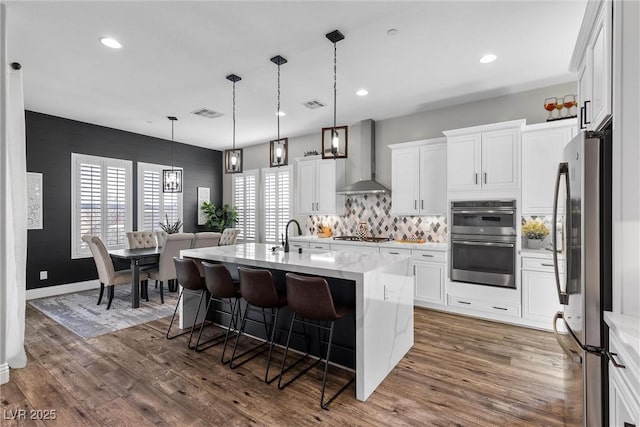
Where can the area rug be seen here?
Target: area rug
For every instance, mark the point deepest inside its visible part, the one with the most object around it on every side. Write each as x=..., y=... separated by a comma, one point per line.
x=79, y=313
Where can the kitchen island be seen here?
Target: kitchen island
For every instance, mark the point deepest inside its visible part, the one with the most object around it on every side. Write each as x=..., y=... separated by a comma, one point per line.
x=384, y=288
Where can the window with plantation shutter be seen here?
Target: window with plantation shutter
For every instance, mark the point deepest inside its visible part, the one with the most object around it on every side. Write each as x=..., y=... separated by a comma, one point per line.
x=276, y=202
x=244, y=194
x=101, y=202
x=154, y=206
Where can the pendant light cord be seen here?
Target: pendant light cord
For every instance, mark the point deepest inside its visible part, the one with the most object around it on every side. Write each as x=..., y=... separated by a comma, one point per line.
x=278, y=111
x=234, y=117
x=335, y=72
x=172, y=144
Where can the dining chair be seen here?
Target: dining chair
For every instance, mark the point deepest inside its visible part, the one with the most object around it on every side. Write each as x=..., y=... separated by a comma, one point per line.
x=229, y=236
x=166, y=270
x=106, y=272
x=141, y=239
x=206, y=239
x=160, y=237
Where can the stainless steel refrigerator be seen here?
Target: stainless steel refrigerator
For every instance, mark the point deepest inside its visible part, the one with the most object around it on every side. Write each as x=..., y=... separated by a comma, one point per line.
x=582, y=210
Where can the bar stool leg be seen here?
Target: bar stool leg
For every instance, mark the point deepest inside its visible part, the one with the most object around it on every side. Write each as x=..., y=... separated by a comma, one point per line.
x=195, y=320
x=323, y=404
x=274, y=326
x=300, y=359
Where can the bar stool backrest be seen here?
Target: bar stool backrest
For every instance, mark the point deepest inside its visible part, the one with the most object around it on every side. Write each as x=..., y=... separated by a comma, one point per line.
x=188, y=274
x=218, y=280
x=257, y=287
x=310, y=297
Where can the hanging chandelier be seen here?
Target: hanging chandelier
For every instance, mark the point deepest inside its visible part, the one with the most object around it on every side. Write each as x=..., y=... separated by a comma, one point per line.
x=172, y=178
x=278, y=147
x=233, y=157
x=334, y=139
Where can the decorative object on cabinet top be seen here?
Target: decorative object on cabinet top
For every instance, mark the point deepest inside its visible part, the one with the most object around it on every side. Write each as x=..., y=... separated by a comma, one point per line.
x=562, y=107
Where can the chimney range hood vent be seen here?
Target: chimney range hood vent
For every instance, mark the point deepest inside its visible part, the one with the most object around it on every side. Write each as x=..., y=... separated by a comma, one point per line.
x=367, y=163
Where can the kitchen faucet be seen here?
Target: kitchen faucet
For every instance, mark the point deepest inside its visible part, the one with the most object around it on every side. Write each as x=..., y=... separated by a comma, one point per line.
x=286, y=239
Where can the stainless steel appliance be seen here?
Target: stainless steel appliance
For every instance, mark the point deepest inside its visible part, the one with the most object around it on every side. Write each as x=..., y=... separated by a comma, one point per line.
x=583, y=193
x=483, y=242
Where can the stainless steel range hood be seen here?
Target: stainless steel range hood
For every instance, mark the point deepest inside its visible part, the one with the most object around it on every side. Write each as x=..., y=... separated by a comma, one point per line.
x=365, y=163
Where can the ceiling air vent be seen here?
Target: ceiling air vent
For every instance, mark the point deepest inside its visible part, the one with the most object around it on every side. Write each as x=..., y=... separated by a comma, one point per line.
x=312, y=105
x=206, y=113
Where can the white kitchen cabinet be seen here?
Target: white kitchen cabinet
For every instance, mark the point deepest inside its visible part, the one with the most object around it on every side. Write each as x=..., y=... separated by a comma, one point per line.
x=429, y=269
x=624, y=378
x=484, y=157
x=542, y=146
x=592, y=59
x=539, y=291
x=317, y=182
x=418, y=177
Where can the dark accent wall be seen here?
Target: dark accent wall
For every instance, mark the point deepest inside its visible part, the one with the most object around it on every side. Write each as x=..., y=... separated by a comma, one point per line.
x=50, y=142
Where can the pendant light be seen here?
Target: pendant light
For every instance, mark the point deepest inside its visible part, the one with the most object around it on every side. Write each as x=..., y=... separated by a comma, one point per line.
x=172, y=178
x=278, y=147
x=331, y=139
x=233, y=157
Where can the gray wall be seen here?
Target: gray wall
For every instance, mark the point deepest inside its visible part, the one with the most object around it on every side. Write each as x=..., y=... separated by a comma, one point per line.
x=424, y=125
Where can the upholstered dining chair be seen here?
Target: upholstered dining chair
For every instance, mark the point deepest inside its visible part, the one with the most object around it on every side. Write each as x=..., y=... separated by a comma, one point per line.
x=141, y=239
x=166, y=270
x=229, y=236
x=206, y=239
x=160, y=237
x=106, y=272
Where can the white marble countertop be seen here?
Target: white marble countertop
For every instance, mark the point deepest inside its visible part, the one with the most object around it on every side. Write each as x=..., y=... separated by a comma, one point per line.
x=340, y=264
x=441, y=247
x=627, y=329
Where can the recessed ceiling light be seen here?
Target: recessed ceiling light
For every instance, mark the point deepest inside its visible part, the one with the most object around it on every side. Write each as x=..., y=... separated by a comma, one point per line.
x=109, y=42
x=490, y=57
x=281, y=113
x=392, y=32
x=362, y=92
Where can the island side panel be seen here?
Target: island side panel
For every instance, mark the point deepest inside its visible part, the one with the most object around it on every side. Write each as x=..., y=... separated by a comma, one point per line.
x=384, y=324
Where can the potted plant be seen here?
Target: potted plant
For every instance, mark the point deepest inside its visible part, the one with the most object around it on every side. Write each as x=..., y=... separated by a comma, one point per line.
x=219, y=218
x=535, y=230
x=171, y=227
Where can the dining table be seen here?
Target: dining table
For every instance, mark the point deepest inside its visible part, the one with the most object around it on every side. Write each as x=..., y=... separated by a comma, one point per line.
x=138, y=258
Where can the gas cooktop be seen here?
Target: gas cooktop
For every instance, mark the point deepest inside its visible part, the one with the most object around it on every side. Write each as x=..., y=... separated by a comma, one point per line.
x=364, y=239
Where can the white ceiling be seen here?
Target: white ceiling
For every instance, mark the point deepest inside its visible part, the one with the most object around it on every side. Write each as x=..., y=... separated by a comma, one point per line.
x=176, y=56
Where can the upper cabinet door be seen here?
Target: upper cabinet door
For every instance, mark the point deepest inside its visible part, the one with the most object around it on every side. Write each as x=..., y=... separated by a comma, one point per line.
x=306, y=188
x=463, y=160
x=600, y=52
x=433, y=176
x=500, y=155
x=584, y=95
x=405, y=172
x=541, y=154
x=326, y=187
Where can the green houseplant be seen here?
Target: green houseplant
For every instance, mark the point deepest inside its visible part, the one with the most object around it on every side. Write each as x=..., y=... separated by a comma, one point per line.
x=219, y=218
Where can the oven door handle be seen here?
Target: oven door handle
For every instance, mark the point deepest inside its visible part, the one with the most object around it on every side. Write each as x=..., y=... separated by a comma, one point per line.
x=499, y=245
x=482, y=212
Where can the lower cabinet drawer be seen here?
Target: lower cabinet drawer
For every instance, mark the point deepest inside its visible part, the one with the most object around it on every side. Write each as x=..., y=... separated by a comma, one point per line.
x=323, y=246
x=394, y=251
x=486, y=306
x=429, y=256
x=296, y=245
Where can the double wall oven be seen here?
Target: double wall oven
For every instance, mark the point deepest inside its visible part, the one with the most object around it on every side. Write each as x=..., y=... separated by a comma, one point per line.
x=483, y=242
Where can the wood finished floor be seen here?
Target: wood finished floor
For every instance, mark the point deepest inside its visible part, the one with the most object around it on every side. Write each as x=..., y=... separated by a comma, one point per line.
x=461, y=371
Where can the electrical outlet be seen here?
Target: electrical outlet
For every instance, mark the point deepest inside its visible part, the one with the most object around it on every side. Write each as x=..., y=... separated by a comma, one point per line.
x=43, y=275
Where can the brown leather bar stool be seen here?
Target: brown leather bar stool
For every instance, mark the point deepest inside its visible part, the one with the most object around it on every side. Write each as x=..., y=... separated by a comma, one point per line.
x=310, y=299
x=223, y=289
x=189, y=278
x=258, y=289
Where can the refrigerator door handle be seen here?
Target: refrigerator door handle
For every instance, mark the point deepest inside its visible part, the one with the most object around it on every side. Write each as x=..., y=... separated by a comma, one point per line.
x=563, y=169
x=574, y=356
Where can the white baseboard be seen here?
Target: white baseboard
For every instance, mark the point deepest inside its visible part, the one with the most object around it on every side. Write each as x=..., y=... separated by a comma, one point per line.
x=50, y=291
x=4, y=373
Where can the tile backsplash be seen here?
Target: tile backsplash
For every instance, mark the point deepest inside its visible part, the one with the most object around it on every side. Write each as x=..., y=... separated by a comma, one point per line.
x=375, y=210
